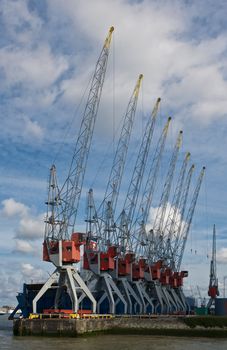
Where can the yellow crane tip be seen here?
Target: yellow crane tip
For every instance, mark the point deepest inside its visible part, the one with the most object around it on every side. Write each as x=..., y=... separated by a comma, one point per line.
x=170, y=118
x=141, y=76
x=111, y=29
x=159, y=99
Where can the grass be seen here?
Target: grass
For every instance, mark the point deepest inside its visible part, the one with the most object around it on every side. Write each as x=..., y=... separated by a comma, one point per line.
x=206, y=321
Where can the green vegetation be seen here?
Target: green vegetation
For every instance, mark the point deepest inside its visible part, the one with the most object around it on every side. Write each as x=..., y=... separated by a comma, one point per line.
x=206, y=321
x=214, y=333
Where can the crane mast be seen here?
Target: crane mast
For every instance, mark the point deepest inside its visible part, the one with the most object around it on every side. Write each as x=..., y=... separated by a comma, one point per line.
x=159, y=219
x=127, y=213
x=138, y=229
x=185, y=230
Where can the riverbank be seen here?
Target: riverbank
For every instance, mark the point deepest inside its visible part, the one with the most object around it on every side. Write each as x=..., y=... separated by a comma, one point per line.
x=197, y=326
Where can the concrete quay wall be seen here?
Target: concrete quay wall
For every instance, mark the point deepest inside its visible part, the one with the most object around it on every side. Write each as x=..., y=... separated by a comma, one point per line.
x=206, y=326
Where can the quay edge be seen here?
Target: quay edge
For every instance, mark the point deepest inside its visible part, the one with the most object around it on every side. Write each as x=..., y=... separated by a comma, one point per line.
x=176, y=326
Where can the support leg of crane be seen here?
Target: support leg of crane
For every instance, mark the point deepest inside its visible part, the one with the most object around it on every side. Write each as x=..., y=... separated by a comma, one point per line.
x=159, y=296
x=52, y=279
x=111, y=289
x=167, y=302
x=122, y=285
x=178, y=301
x=144, y=297
x=173, y=302
x=72, y=288
x=91, y=284
x=181, y=295
x=83, y=287
x=100, y=301
x=62, y=281
x=148, y=298
x=133, y=297
x=139, y=293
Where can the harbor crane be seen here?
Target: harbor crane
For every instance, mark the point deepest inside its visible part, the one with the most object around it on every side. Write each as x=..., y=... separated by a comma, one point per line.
x=61, y=243
x=101, y=259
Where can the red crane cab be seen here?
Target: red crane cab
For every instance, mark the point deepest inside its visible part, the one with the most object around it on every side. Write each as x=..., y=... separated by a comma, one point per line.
x=125, y=263
x=166, y=276
x=70, y=249
x=180, y=276
x=138, y=269
x=107, y=261
x=156, y=270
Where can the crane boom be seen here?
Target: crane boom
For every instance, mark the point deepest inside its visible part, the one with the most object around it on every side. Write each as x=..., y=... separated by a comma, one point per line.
x=127, y=213
x=184, y=234
x=174, y=209
x=138, y=229
x=108, y=206
x=178, y=223
x=159, y=219
x=71, y=190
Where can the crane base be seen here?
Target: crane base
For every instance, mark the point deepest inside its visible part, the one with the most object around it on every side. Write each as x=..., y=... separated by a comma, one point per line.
x=66, y=276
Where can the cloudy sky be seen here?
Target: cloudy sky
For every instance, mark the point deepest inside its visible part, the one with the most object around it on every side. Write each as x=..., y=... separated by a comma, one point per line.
x=48, y=49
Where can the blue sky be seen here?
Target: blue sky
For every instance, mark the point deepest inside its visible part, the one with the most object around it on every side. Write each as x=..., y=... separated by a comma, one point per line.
x=48, y=50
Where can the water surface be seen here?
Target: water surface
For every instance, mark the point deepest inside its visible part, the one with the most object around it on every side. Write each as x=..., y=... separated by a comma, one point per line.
x=104, y=342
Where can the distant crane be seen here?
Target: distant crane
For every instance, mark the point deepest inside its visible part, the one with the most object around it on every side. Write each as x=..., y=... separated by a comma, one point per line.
x=213, y=291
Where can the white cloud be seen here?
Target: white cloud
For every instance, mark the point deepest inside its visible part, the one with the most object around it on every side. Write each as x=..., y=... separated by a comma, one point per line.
x=31, y=228
x=188, y=74
x=37, y=68
x=32, y=129
x=29, y=272
x=16, y=16
x=169, y=213
x=22, y=246
x=12, y=208
x=222, y=256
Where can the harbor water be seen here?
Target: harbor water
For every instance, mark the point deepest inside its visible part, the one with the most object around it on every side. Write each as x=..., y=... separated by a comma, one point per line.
x=101, y=342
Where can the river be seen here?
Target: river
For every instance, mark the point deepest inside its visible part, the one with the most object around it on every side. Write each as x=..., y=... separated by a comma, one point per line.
x=104, y=342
